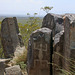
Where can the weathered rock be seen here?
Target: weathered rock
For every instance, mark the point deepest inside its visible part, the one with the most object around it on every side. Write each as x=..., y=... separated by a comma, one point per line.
x=20, y=40
x=13, y=70
x=66, y=43
x=59, y=23
x=70, y=16
x=69, y=44
x=59, y=28
x=40, y=52
x=2, y=67
x=58, y=53
x=49, y=22
x=54, y=22
x=10, y=36
x=57, y=37
x=3, y=63
x=19, y=55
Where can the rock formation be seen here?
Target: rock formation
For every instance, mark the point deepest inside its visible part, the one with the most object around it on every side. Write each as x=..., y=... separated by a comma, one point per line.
x=39, y=52
x=10, y=36
x=48, y=22
x=69, y=43
x=13, y=70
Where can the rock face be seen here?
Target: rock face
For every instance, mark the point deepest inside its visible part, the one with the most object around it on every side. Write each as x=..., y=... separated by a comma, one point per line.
x=62, y=49
x=13, y=70
x=66, y=43
x=69, y=43
x=58, y=53
x=2, y=67
x=59, y=23
x=49, y=22
x=10, y=36
x=40, y=52
x=54, y=22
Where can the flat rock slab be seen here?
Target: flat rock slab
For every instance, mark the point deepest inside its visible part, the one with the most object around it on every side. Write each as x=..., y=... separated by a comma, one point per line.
x=13, y=70
x=5, y=60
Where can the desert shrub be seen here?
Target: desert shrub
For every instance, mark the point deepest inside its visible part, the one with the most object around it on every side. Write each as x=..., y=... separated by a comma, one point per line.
x=31, y=25
x=23, y=66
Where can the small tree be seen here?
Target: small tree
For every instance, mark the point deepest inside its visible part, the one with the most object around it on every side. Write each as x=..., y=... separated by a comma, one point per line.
x=46, y=8
x=28, y=14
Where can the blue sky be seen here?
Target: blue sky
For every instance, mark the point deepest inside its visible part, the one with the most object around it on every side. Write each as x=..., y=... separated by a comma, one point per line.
x=22, y=7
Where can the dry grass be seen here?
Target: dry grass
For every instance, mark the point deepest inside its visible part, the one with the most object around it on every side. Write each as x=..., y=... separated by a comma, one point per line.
x=71, y=66
x=20, y=56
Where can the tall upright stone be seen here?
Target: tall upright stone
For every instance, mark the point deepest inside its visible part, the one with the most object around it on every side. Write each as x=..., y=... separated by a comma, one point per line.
x=9, y=36
x=66, y=43
x=69, y=44
x=49, y=22
x=40, y=52
x=72, y=46
x=58, y=53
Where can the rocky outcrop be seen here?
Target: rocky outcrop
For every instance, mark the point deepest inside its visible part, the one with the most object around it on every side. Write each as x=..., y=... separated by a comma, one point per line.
x=64, y=43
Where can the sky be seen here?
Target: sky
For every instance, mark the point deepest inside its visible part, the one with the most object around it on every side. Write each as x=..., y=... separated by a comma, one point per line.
x=22, y=7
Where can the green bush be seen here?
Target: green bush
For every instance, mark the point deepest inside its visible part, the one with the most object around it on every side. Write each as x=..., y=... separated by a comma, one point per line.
x=22, y=65
x=26, y=29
